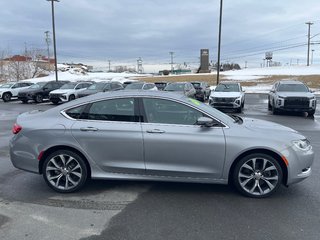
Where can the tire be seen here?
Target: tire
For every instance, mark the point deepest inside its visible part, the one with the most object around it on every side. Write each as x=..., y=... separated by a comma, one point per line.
x=55, y=101
x=39, y=98
x=239, y=110
x=257, y=175
x=6, y=97
x=72, y=97
x=274, y=110
x=24, y=101
x=269, y=106
x=65, y=171
x=311, y=113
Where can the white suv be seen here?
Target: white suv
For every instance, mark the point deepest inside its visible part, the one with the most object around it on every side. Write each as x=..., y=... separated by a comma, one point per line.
x=9, y=90
x=68, y=92
x=227, y=95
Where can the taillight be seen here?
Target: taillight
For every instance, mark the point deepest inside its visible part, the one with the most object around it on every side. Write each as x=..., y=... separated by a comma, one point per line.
x=16, y=128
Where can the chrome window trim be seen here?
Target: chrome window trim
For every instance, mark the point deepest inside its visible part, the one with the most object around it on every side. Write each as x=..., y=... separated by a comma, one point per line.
x=63, y=111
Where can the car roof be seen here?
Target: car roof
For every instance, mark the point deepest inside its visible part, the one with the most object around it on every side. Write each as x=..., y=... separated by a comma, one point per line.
x=228, y=83
x=290, y=82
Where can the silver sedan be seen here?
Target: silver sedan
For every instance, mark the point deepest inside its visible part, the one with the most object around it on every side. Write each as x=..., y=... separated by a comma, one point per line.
x=157, y=136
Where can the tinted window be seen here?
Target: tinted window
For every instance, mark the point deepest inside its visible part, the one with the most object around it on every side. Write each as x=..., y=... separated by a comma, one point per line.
x=135, y=86
x=69, y=86
x=292, y=88
x=196, y=85
x=113, y=110
x=97, y=86
x=170, y=112
x=148, y=86
x=175, y=87
x=227, y=88
x=76, y=112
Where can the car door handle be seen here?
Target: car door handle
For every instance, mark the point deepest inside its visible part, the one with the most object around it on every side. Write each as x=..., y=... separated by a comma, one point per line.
x=89, y=129
x=155, y=131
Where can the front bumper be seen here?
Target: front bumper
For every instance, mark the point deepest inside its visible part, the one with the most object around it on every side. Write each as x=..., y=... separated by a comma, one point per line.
x=225, y=103
x=58, y=98
x=299, y=164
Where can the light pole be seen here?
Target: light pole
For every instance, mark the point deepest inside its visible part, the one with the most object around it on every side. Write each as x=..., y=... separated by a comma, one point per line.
x=308, y=54
x=219, y=42
x=54, y=38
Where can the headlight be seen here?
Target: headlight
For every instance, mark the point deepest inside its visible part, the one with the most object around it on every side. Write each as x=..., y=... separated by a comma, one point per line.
x=303, y=145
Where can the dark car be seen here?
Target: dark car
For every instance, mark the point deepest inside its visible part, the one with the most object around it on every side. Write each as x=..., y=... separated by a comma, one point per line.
x=161, y=85
x=293, y=96
x=39, y=91
x=183, y=87
x=101, y=87
x=202, y=91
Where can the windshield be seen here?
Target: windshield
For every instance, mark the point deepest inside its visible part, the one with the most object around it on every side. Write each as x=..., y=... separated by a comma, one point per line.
x=175, y=87
x=196, y=85
x=6, y=86
x=69, y=86
x=97, y=86
x=135, y=86
x=292, y=88
x=38, y=85
x=222, y=87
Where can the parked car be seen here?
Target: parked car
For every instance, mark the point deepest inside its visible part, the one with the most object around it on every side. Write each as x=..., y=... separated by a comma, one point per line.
x=39, y=91
x=294, y=96
x=202, y=90
x=163, y=135
x=228, y=95
x=9, y=90
x=68, y=92
x=161, y=85
x=101, y=87
x=141, y=86
x=185, y=88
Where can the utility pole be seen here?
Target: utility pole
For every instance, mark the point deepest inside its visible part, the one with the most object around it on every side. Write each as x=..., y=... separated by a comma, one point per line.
x=219, y=42
x=308, y=56
x=54, y=38
x=109, y=62
x=171, y=54
x=312, y=56
x=48, y=41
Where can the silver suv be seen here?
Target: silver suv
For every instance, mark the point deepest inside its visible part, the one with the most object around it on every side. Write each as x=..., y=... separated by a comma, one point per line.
x=289, y=95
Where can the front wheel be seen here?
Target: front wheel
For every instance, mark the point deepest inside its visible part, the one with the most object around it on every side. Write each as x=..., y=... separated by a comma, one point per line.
x=65, y=171
x=311, y=113
x=39, y=98
x=6, y=97
x=257, y=175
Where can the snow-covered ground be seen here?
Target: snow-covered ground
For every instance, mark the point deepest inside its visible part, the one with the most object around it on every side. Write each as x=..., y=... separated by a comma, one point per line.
x=249, y=74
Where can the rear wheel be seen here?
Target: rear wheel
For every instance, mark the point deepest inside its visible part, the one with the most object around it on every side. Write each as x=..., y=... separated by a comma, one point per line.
x=6, y=97
x=257, y=175
x=55, y=101
x=274, y=110
x=65, y=171
x=269, y=106
x=24, y=101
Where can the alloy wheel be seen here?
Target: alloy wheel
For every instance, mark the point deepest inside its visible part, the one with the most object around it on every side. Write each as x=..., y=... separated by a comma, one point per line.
x=258, y=176
x=64, y=172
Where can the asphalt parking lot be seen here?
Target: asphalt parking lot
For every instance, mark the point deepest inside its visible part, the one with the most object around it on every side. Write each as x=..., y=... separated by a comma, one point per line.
x=155, y=210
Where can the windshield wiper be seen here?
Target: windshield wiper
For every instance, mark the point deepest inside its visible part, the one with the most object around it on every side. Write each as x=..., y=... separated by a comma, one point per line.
x=237, y=119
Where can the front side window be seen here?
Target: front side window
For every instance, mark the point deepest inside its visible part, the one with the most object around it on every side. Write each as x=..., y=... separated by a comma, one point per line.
x=112, y=110
x=170, y=112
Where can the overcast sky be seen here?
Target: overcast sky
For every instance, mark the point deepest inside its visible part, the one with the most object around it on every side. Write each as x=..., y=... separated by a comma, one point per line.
x=123, y=30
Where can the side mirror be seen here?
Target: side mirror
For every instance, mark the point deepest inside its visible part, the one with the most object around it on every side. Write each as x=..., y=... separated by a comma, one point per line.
x=205, y=121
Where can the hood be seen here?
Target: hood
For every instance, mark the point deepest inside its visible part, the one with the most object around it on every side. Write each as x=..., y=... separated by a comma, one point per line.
x=61, y=91
x=225, y=94
x=268, y=127
x=4, y=89
x=295, y=94
x=31, y=90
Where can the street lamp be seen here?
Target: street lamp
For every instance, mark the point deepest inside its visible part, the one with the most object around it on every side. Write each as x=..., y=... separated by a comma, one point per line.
x=219, y=42
x=54, y=38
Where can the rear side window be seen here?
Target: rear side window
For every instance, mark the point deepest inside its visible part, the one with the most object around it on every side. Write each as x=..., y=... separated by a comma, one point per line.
x=118, y=110
x=76, y=112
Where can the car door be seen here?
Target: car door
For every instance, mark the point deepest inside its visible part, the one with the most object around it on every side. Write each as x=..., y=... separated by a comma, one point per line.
x=109, y=131
x=174, y=146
